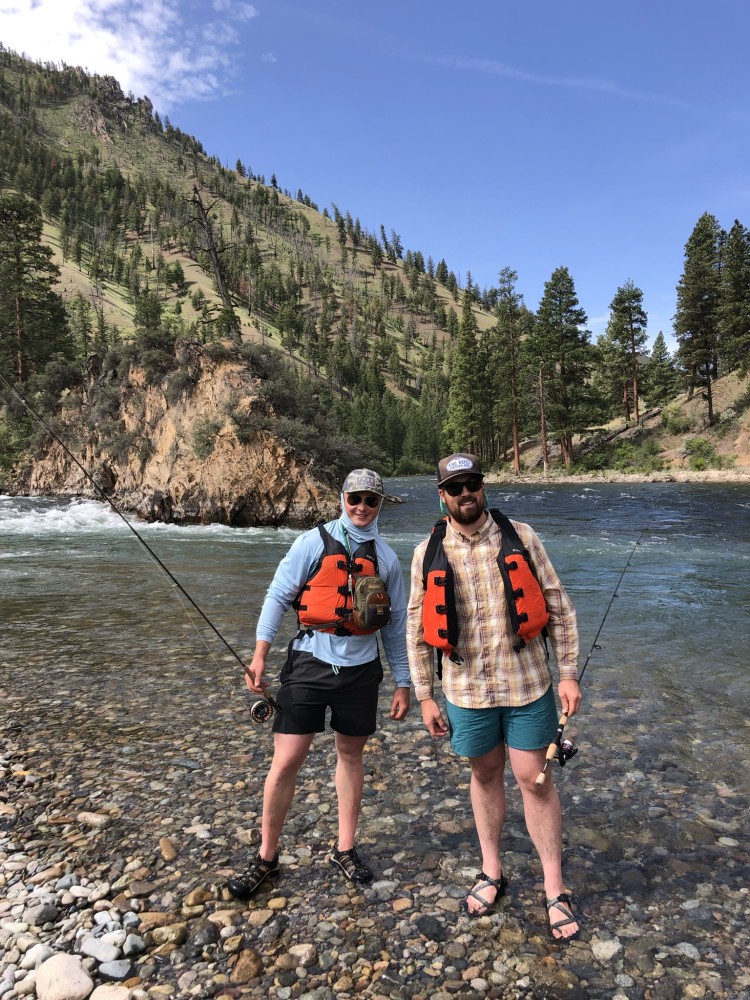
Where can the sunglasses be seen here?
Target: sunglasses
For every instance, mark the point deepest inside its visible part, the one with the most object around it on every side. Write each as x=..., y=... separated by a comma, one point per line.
x=474, y=484
x=355, y=499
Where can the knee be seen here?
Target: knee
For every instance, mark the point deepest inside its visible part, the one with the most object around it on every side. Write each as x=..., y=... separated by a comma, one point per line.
x=486, y=775
x=286, y=765
x=349, y=756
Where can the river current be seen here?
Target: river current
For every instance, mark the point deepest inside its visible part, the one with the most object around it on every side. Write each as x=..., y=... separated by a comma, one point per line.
x=78, y=590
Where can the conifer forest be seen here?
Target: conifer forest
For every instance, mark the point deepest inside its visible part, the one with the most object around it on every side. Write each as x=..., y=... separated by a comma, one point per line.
x=121, y=238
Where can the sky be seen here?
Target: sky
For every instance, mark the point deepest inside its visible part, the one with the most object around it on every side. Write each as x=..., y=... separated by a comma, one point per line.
x=530, y=134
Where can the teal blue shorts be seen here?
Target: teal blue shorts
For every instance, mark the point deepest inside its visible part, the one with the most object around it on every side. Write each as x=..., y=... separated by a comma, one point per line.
x=476, y=731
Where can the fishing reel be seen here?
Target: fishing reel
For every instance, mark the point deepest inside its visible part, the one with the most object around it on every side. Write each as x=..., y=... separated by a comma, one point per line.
x=263, y=710
x=565, y=750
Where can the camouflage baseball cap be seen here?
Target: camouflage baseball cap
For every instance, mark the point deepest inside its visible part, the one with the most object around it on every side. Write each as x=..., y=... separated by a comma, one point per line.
x=365, y=480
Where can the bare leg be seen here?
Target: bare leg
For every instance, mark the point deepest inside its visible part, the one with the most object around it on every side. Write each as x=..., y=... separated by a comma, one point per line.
x=350, y=779
x=289, y=753
x=541, y=807
x=488, y=804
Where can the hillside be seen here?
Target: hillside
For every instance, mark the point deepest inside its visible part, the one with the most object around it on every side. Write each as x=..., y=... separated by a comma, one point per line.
x=174, y=271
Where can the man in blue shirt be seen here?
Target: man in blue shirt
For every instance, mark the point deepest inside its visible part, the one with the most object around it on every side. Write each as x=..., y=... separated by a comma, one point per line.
x=333, y=662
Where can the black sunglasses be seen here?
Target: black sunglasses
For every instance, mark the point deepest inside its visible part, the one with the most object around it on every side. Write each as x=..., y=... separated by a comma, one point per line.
x=355, y=499
x=473, y=484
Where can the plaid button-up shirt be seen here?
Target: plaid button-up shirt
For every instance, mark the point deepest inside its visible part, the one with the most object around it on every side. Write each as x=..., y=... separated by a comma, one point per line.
x=491, y=673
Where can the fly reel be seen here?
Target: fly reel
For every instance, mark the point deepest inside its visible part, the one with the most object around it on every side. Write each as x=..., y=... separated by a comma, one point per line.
x=263, y=710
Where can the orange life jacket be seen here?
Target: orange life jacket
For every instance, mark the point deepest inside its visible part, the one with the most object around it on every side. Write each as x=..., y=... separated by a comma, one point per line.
x=526, y=604
x=327, y=594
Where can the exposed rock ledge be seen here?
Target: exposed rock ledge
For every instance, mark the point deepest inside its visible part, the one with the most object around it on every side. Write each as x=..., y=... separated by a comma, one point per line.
x=248, y=479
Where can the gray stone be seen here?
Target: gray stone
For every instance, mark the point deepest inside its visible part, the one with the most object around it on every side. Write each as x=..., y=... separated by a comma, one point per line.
x=115, y=970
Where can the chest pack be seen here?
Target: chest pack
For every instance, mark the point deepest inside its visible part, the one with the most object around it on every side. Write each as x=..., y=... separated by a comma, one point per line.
x=344, y=595
x=526, y=604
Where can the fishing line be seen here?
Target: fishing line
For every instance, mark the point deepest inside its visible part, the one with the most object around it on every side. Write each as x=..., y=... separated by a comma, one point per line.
x=175, y=582
x=560, y=749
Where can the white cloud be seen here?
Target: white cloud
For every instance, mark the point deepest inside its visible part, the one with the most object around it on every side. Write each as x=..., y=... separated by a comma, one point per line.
x=152, y=47
x=268, y=57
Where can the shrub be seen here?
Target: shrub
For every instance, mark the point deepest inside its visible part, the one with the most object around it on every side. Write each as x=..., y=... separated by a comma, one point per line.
x=178, y=383
x=676, y=421
x=204, y=437
x=702, y=455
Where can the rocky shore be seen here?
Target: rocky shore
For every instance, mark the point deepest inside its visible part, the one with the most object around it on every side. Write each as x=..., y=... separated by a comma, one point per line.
x=124, y=806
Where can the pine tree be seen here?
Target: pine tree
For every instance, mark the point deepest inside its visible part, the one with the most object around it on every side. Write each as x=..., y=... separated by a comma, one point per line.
x=461, y=428
x=510, y=327
x=660, y=378
x=627, y=330
x=696, y=320
x=33, y=324
x=734, y=301
x=563, y=355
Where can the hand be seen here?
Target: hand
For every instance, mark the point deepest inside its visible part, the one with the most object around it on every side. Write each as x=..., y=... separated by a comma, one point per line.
x=400, y=703
x=254, y=676
x=254, y=672
x=433, y=720
x=570, y=697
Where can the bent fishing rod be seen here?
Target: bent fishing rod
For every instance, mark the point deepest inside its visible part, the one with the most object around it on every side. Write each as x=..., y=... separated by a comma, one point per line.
x=562, y=749
x=260, y=711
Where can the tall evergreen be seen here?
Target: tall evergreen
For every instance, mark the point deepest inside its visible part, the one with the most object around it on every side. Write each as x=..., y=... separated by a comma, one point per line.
x=461, y=427
x=562, y=351
x=696, y=321
x=734, y=301
x=660, y=377
x=627, y=329
x=33, y=323
x=512, y=324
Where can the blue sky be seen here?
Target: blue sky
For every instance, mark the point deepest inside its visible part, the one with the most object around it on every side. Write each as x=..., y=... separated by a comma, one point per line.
x=522, y=133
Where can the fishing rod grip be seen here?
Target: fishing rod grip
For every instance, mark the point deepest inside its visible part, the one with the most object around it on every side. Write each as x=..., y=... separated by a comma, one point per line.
x=552, y=750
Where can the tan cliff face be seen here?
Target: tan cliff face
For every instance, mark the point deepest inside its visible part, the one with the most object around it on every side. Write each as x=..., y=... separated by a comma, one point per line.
x=188, y=461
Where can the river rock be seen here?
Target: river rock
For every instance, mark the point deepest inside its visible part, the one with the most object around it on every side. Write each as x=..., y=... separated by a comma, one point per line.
x=62, y=977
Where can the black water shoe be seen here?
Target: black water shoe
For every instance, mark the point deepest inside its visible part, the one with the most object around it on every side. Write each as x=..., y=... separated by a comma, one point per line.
x=351, y=865
x=246, y=884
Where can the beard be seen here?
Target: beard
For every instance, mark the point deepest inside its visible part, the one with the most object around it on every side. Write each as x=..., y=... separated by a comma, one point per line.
x=467, y=512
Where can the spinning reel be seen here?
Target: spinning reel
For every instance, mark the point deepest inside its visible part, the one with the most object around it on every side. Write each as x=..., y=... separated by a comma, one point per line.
x=565, y=751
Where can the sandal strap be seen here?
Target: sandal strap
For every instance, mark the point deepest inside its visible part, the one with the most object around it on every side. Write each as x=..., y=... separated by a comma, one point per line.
x=563, y=903
x=352, y=864
x=257, y=872
x=564, y=897
x=501, y=884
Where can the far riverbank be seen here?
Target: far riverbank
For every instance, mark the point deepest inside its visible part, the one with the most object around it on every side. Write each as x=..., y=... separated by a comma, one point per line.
x=666, y=476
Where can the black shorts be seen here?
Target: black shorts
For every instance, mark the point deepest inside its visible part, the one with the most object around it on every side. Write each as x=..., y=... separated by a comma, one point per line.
x=309, y=686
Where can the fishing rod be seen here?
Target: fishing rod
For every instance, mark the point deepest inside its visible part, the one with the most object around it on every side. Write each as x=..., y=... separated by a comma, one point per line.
x=561, y=749
x=260, y=711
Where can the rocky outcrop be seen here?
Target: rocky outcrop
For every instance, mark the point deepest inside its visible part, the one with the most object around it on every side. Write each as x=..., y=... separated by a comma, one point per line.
x=194, y=460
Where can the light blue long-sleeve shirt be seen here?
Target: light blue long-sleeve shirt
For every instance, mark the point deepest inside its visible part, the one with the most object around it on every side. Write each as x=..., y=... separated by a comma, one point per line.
x=343, y=651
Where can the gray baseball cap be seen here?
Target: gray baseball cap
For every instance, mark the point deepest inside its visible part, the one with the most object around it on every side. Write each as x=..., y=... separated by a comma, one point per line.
x=458, y=464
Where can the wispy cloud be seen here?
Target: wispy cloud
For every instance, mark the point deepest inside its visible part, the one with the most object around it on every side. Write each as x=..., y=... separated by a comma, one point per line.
x=268, y=57
x=596, y=85
x=151, y=47
x=239, y=11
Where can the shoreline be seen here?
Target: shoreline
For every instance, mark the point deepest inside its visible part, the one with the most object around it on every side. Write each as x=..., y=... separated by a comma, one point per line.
x=120, y=823
x=666, y=476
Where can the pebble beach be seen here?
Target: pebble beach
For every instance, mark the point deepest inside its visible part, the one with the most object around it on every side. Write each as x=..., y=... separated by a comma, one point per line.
x=123, y=813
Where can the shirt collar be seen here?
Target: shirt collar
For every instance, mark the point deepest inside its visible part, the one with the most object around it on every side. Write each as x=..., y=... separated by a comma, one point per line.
x=482, y=531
